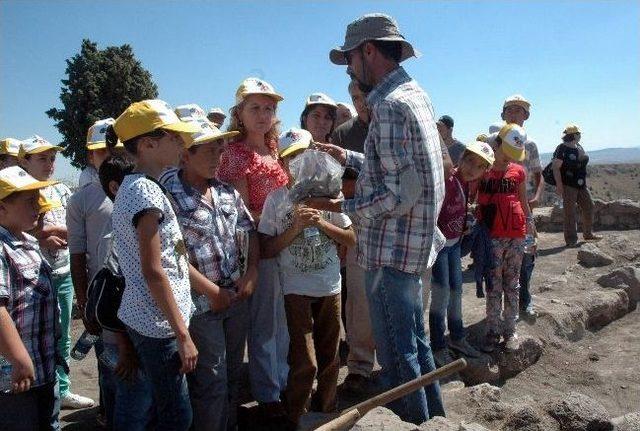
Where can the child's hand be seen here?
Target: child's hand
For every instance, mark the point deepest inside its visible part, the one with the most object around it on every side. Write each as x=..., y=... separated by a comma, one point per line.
x=247, y=283
x=222, y=300
x=188, y=354
x=22, y=374
x=55, y=230
x=53, y=243
x=304, y=217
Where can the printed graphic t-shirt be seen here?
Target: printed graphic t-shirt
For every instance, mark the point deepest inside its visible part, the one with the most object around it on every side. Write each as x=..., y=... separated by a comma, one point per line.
x=502, y=189
x=138, y=310
x=574, y=167
x=310, y=265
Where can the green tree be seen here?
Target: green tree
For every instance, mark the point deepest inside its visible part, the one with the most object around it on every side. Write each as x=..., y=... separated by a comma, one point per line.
x=99, y=84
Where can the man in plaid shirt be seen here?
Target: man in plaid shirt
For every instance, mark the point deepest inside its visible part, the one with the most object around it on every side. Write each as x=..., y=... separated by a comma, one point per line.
x=212, y=217
x=396, y=204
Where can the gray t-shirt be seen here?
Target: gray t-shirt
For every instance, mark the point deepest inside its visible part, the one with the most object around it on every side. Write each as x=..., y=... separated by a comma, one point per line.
x=310, y=265
x=89, y=225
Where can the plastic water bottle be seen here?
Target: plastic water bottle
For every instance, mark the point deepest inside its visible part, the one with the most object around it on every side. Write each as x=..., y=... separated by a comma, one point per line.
x=5, y=375
x=529, y=244
x=83, y=345
x=312, y=235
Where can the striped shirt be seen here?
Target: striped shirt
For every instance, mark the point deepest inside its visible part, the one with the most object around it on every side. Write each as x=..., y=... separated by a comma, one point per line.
x=400, y=188
x=210, y=229
x=27, y=291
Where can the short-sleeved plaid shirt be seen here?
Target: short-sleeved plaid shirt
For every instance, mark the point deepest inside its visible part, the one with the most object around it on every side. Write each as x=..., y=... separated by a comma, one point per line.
x=27, y=292
x=400, y=188
x=210, y=231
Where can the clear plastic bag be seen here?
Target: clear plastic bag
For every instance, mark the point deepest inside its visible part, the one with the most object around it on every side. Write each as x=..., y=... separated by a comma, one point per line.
x=316, y=174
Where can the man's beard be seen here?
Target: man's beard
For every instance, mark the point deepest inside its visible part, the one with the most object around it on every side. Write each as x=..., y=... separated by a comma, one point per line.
x=365, y=88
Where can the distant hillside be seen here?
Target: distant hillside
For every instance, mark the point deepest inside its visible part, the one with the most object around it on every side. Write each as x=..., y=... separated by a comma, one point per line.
x=605, y=157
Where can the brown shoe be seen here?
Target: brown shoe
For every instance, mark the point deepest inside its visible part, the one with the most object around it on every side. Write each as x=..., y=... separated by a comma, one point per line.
x=591, y=237
x=273, y=410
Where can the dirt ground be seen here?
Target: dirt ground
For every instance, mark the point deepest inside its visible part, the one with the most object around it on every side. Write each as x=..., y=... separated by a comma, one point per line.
x=603, y=364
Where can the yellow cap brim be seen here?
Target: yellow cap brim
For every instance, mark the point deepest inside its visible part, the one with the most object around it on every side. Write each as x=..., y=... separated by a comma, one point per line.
x=37, y=185
x=181, y=127
x=47, y=205
x=518, y=156
x=208, y=139
x=40, y=150
x=293, y=148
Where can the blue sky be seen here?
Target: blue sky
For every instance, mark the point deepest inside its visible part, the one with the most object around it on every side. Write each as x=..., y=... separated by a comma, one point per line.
x=576, y=61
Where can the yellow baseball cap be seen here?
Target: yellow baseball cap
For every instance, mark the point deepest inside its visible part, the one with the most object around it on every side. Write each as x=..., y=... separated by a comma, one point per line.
x=518, y=100
x=207, y=131
x=96, y=135
x=293, y=140
x=34, y=145
x=15, y=179
x=571, y=129
x=256, y=86
x=146, y=116
x=10, y=146
x=513, y=139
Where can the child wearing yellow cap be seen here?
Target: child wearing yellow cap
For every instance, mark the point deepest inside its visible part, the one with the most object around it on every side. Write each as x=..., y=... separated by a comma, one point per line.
x=37, y=156
x=9, y=149
x=504, y=210
x=28, y=310
x=156, y=305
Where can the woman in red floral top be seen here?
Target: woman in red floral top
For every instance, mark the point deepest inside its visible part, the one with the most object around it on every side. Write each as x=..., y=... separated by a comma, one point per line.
x=251, y=165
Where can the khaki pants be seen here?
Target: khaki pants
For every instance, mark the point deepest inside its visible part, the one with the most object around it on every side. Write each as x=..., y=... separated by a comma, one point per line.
x=314, y=333
x=358, y=327
x=582, y=197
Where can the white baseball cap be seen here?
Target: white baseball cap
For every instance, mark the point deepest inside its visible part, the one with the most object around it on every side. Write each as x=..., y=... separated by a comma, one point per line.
x=15, y=179
x=35, y=144
x=320, y=99
x=10, y=146
x=518, y=100
x=482, y=149
x=206, y=131
x=96, y=135
x=256, y=86
x=292, y=140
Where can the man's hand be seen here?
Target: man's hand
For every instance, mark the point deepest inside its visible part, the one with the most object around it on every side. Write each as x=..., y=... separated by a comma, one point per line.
x=247, y=283
x=188, y=354
x=325, y=204
x=338, y=153
x=22, y=374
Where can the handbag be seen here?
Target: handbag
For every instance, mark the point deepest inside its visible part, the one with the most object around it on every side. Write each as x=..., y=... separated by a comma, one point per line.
x=547, y=174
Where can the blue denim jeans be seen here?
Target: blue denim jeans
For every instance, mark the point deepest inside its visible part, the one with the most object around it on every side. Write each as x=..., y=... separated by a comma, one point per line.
x=127, y=404
x=446, y=297
x=528, y=263
x=403, y=351
x=161, y=363
x=268, y=340
x=36, y=409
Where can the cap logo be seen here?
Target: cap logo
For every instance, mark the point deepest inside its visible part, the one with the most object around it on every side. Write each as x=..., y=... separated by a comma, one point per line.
x=22, y=174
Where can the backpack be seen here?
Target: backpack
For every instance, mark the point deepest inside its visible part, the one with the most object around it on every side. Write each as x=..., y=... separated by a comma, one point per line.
x=104, y=296
x=547, y=174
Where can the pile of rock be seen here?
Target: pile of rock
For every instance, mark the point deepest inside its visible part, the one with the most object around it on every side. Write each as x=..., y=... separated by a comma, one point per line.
x=622, y=214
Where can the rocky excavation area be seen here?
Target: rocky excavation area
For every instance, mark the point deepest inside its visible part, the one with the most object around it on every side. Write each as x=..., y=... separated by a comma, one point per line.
x=577, y=366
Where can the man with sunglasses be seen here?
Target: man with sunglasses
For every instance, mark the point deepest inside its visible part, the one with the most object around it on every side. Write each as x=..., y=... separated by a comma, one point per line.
x=396, y=203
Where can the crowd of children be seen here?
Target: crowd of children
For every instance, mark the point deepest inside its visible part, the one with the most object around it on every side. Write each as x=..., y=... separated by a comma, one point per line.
x=216, y=257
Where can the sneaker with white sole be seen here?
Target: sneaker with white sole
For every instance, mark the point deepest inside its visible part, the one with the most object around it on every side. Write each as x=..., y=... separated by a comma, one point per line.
x=75, y=401
x=442, y=357
x=463, y=347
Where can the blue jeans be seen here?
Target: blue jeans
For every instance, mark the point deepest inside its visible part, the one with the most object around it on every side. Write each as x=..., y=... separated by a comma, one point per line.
x=127, y=404
x=268, y=341
x=446, y=297
x=161, y=363
x=36, y=409
x=403, y=351
x=528, y=263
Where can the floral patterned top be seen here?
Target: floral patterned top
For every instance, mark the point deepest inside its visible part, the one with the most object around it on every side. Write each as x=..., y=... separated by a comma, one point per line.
x=263, y=174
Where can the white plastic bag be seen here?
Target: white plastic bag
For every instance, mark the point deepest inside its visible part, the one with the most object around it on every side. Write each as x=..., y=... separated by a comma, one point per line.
x=315, y=174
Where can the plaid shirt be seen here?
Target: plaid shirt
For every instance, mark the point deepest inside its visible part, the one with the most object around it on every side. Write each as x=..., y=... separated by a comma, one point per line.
x=210, y=231
x=27, y=291
x=400, y=188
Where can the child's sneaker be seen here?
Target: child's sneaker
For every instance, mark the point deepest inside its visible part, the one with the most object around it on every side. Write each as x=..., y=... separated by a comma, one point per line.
x=75, y=401
x=512, y=342
x=491, y=341
x=463, y=347
x=442, y=357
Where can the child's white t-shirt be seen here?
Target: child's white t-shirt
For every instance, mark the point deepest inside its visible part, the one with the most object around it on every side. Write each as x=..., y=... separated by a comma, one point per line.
x=310, y=265
x=138, y=310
